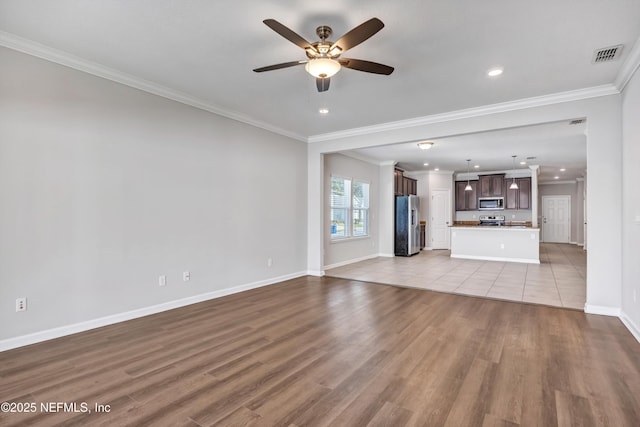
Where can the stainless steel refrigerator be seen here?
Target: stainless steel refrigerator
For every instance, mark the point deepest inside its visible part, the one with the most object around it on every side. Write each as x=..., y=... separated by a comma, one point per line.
x=407, y=225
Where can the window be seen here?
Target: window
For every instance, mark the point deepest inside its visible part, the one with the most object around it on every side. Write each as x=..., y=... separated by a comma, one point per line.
x=349, y=208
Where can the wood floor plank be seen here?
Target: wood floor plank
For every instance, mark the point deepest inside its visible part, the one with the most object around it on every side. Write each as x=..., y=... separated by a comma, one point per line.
x=323, y=351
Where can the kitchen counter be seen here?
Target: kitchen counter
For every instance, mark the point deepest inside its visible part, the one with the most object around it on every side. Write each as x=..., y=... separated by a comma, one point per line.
x=496, y=243
x=495, y=227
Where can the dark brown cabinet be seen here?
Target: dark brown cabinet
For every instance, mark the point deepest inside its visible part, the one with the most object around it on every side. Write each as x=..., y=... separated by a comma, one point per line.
x=492, y=185
x=466, y=200
x=398, y=188
x=520, y=198
x=402, y=185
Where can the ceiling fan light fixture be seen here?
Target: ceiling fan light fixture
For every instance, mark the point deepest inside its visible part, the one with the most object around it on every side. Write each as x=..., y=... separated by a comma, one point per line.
x=322, y=67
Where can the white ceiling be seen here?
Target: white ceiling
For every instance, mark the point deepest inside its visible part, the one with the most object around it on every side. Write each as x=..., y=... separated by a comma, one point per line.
x=552, y=146
x=441, y=50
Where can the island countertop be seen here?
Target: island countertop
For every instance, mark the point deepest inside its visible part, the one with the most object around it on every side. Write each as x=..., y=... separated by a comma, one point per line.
x=495, y=227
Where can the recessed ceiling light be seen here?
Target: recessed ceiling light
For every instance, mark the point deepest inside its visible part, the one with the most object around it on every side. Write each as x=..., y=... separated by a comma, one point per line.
x=495, y=72
x=562, y=170
x=426, y=164
x=523, y=162
x=556, y=177
x=436, y=169
x=323, y=111
x=477, y=166
x=425, y=145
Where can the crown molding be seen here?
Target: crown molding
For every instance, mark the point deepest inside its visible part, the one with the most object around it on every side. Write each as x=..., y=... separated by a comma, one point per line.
x=32, y=48
x=357, y=156
x=537, y=101
x=629, y=67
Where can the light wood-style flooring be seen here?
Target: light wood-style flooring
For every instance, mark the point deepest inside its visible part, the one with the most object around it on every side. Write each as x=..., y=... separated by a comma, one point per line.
x=326, y=351
x=559, y=280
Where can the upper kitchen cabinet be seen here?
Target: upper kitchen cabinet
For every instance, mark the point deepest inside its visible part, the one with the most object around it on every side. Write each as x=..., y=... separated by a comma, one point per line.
x=492, y=185
x=398, y=185
x=520, y=198
x=404, y=186
x=466, y=200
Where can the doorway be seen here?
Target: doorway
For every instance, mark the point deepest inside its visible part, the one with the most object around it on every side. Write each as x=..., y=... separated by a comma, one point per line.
x=556, y=219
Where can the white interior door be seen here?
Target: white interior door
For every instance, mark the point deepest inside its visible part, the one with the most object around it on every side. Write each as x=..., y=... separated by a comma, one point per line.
x=556, y=219
x=440, y=213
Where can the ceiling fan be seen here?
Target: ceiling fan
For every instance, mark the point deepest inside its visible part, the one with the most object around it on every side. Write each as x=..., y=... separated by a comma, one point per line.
x=324, y=56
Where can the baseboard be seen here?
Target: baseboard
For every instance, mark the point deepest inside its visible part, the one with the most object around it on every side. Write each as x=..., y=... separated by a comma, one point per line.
x=350, y=261
x=501, y=259
x=573, y=243
x=387, y=255
x=602, y=310
x=316, y=273
x=21, y=341
x=632, y=327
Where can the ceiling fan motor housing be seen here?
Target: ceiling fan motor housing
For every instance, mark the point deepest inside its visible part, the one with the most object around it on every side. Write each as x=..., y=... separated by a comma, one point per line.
x=324, y=32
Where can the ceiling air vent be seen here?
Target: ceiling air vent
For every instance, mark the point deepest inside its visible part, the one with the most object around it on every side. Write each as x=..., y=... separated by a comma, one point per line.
x=607, y=54
x=576, y=121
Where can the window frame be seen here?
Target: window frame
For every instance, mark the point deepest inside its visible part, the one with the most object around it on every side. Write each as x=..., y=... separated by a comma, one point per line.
x=349, y=233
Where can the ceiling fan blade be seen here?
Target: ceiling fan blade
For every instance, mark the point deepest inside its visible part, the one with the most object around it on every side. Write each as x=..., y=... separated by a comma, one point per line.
x=323, y=84
x=278, y=66
x=366, y=66
x=359, y=34
x=288, y=34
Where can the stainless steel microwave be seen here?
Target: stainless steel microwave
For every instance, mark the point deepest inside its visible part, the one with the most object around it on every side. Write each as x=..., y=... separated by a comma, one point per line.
x=490, y=203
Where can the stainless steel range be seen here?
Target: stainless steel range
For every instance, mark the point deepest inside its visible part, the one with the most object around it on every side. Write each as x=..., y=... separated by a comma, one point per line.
x=492, y=220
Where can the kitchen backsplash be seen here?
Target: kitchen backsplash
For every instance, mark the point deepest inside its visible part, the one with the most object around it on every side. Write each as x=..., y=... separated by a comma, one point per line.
x=509, y=215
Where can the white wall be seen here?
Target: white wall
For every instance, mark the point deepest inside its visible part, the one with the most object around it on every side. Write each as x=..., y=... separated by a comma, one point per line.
x=338, y=252
x=386, y=210
x=103, y=188
x=630, y=205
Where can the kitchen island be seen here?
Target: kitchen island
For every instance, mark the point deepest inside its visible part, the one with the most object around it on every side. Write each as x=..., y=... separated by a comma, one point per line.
x=496, y=243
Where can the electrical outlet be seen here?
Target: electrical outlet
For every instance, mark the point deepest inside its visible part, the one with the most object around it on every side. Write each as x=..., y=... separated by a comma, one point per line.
x=269, y=262
x=501, y=245
x=186, y=276
x=21, y=304
x=162, y=280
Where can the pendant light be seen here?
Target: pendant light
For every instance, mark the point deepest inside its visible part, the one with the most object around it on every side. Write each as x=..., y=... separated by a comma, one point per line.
x=468, y=187
x=514, y=185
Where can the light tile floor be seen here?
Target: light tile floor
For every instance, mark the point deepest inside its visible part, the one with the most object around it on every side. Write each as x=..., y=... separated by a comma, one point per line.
x=559, y=280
